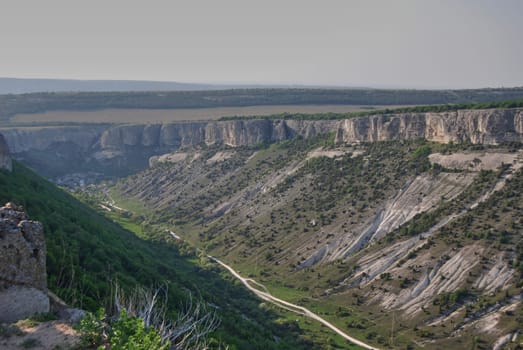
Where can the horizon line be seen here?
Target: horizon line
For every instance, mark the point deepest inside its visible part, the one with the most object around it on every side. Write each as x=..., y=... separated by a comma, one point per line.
x=260, y=84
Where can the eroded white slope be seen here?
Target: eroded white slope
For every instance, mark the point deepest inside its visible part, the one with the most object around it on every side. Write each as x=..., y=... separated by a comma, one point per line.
x=422, y=194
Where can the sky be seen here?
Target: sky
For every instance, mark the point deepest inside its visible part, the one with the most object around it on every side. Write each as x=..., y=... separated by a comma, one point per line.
x=371, y=43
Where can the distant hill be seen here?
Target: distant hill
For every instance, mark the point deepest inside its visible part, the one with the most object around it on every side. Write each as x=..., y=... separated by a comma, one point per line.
x=24, y=86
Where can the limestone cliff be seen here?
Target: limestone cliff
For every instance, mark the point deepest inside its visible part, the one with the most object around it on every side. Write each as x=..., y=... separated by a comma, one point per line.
x=26, y=139
x=23, y=278
x=239, y=132
x=123, y=149
x=232, y=133
x=5, y=157
x=491, y=126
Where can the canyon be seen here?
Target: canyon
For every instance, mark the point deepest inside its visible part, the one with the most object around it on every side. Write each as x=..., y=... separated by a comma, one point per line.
x=413, y=217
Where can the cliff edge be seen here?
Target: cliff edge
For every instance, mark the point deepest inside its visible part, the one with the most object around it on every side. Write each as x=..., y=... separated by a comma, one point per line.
x=119, y=150
x=482, y=126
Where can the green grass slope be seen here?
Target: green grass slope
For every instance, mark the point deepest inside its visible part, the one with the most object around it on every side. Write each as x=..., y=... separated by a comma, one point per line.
x=87, y=251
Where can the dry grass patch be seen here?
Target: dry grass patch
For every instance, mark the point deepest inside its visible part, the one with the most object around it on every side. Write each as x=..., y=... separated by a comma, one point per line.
x=182, y=114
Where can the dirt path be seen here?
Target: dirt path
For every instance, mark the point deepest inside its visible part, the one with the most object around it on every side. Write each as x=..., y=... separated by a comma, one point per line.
x=288, y=306
x=265, y=295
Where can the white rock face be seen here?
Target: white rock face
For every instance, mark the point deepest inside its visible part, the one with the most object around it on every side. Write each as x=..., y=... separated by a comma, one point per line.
x=475, y=161
x=30, y=139
x=489, y=126
x=122, y=149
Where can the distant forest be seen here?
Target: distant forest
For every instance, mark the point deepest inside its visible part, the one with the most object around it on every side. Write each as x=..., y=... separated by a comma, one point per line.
x=40, y=102
x=414, y=109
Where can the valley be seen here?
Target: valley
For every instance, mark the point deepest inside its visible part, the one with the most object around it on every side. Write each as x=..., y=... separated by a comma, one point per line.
x=265, y=295
x=285, y=175
x=88, y=253
x=399, y=230
x=378, y=251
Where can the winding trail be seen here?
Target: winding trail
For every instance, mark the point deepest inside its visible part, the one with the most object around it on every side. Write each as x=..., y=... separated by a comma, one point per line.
x=264, y=295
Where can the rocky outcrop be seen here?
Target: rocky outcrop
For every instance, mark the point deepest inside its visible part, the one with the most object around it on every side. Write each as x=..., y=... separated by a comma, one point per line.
x=5, y=157
x=232, y=133
x=23, y=278
x=240, y=132
x=27, y=139
x=123, y=149
x=492, y=126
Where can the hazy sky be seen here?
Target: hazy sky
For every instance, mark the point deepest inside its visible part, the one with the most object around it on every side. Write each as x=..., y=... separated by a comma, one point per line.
x=416, y=43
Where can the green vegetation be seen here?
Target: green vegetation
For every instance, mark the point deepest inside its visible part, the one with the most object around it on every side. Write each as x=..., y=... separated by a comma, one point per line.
x=321, y=188
x=416, y=109
x=86, y=253
x=448, y=300
x=268, y=210
x=125, y=332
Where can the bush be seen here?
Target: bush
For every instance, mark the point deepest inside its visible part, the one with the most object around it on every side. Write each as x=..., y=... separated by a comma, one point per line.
x=131, y=333
x=140, y=323
x=125, y=332
x=449, y=300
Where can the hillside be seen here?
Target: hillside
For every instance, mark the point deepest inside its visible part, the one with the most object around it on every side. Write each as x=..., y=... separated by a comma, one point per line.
x=401, y=229
x=87, y=253
x=25, y=86
x=402, y=243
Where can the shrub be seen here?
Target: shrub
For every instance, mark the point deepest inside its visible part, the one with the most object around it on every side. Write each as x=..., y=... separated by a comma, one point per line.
x=125, y=332
x=140, y=323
